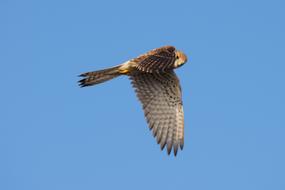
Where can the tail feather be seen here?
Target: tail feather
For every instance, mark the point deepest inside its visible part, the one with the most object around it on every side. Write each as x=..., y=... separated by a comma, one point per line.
x=96, y=77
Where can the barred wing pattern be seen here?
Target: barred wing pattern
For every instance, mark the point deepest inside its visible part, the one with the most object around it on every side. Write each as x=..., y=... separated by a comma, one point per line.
x=160, y=95
x=157, y=60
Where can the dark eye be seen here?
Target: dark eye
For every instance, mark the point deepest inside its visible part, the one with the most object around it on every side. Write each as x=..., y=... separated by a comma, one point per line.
x=177, y=57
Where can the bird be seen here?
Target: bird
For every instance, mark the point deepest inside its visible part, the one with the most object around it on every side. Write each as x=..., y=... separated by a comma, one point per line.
x=157, y=88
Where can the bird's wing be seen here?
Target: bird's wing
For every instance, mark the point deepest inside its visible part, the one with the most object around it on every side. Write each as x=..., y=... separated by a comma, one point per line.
x=159, y=59
x=160, y=95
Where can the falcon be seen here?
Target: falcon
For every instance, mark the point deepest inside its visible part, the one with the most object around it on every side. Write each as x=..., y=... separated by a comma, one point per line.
x=157, y=87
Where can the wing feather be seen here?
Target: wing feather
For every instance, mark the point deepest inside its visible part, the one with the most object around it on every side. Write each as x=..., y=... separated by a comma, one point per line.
x=160, y=95
x=156, y=60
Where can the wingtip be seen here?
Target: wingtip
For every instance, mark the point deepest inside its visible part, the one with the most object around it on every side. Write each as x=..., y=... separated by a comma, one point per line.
x=169, y=150
x=162, y=146
x=175, y=149
x=181, y=146
x=170, y=147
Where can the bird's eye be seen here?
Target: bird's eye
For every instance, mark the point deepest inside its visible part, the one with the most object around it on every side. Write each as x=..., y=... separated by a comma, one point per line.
x=177, y=57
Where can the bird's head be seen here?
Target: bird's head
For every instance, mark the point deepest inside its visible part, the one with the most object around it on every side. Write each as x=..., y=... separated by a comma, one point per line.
x=180, y=59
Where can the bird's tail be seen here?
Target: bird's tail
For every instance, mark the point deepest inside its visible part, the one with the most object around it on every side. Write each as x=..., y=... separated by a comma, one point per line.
x=96, y=77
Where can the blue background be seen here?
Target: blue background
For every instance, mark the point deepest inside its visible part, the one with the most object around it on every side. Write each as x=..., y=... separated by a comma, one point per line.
x=55, y=135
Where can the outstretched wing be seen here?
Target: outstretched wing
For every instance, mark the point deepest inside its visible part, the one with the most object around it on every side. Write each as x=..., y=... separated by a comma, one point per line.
x=160, y=95
x=156, y=60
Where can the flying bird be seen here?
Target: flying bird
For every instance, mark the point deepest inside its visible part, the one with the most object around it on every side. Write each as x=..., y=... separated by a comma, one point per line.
x=157, y=87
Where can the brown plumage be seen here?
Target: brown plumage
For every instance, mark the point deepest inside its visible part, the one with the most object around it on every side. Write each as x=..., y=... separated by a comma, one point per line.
x=158, y=90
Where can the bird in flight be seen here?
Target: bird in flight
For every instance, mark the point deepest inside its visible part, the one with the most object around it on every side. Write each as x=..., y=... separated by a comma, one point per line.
x=157, y=87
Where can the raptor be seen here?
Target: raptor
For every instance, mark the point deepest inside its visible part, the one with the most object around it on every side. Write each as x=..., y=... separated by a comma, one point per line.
x=158, y=89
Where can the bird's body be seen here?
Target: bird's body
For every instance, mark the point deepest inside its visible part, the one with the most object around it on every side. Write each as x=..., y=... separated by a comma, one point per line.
x=157, y=88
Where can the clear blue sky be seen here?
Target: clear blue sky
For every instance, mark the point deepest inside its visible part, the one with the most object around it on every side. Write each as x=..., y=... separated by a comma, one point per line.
x=55, y=135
